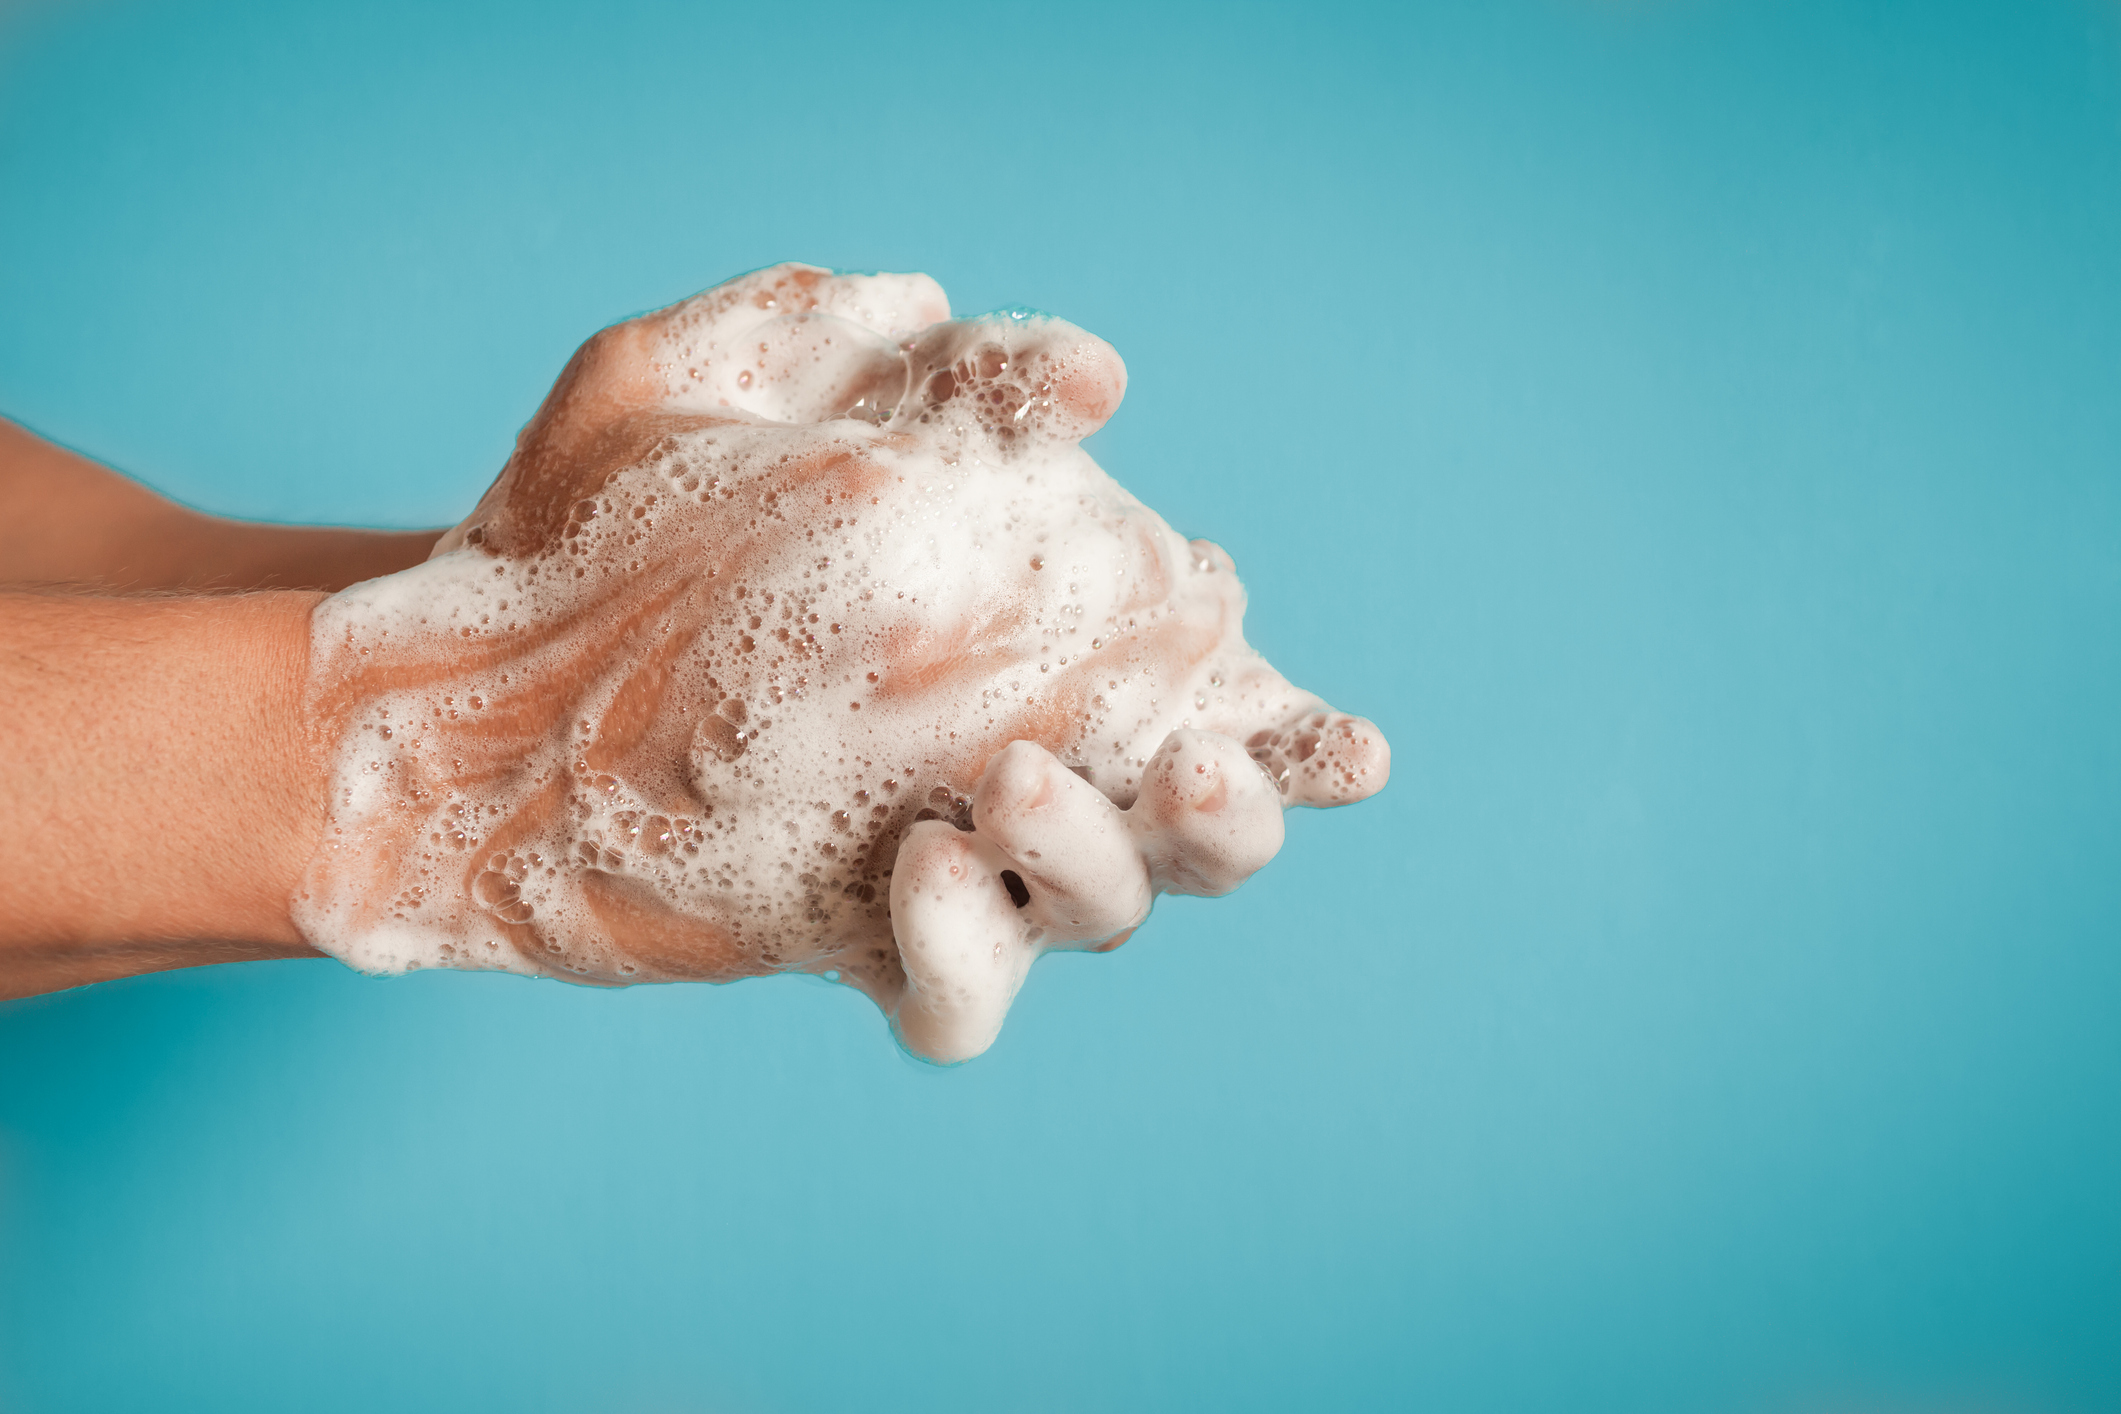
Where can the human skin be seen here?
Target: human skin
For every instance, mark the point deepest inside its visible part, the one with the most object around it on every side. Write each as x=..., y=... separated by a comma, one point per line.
x=243, y=784
x=779, y=585
x=70, y=523
x=159, y=797
x=136, y=845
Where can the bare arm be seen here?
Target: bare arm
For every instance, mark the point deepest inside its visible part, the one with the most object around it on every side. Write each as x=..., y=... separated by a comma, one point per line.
x=157, y=797
x=158, y=800
x=65, y=520
x=545, y=750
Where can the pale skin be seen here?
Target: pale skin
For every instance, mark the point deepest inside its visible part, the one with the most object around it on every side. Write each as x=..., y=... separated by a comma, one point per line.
x=236, y=797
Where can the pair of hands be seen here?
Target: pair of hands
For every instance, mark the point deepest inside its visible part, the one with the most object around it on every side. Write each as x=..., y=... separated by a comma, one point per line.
x=799, y=634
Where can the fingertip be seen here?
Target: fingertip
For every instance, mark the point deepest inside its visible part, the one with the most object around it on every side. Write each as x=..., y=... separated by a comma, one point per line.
x=961, y=946
x=1324, y=759
x=918, y=301
x=1012, y=375
x=1092, y=381
x=1081, y=876
x=1207, y=818
x=894, y=305
x=1019, y=778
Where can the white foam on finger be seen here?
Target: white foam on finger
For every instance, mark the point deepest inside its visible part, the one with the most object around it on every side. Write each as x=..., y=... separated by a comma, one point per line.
x=965, y=952
x=1082, y=870
x=1208, y=817
x=795, y=343
x=1324, y=758
x=1051, y=864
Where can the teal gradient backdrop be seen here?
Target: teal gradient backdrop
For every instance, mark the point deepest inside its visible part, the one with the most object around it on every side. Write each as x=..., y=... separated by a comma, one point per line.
x=1691, y=430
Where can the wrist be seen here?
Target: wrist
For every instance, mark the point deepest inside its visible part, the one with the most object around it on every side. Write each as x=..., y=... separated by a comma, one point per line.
x=163, y=795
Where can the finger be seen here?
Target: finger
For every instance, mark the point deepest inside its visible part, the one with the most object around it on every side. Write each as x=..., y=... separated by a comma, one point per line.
x=819, y=337
x=795, y=343
x=960, y=940
x=894, y=306
x=720, y=347
x=798, y=368
x=1007, y=375
x=832, y=352
x=568, y=447
x=1207, y=817
x=1323, y=757
x=1079, y=874
x=1315, y=755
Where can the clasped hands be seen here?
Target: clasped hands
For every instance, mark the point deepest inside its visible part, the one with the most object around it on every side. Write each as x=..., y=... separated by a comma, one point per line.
x=799, y=634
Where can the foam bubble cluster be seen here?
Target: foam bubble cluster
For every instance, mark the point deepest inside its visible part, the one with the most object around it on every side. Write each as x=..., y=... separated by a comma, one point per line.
x=800, y=634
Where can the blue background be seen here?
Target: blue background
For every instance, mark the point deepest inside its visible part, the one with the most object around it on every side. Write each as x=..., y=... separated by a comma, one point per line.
x=1691, y=430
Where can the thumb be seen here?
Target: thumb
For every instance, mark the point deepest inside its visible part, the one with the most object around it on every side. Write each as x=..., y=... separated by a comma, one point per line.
x=1008, y=377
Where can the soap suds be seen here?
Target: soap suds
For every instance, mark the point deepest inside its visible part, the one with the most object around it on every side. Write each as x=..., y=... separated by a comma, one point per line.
x=800, y=634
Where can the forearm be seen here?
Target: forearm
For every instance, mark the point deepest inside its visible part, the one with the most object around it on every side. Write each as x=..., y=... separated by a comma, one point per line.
x=65, y=520
x=159, y=799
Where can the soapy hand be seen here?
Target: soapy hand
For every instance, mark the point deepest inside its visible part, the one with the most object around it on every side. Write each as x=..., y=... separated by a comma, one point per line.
x=799, y=634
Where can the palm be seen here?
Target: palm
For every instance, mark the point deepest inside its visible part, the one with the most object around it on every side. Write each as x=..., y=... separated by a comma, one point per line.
x=774, y=578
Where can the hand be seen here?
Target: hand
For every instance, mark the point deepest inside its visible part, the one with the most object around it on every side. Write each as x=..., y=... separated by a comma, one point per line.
x=799, y=634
